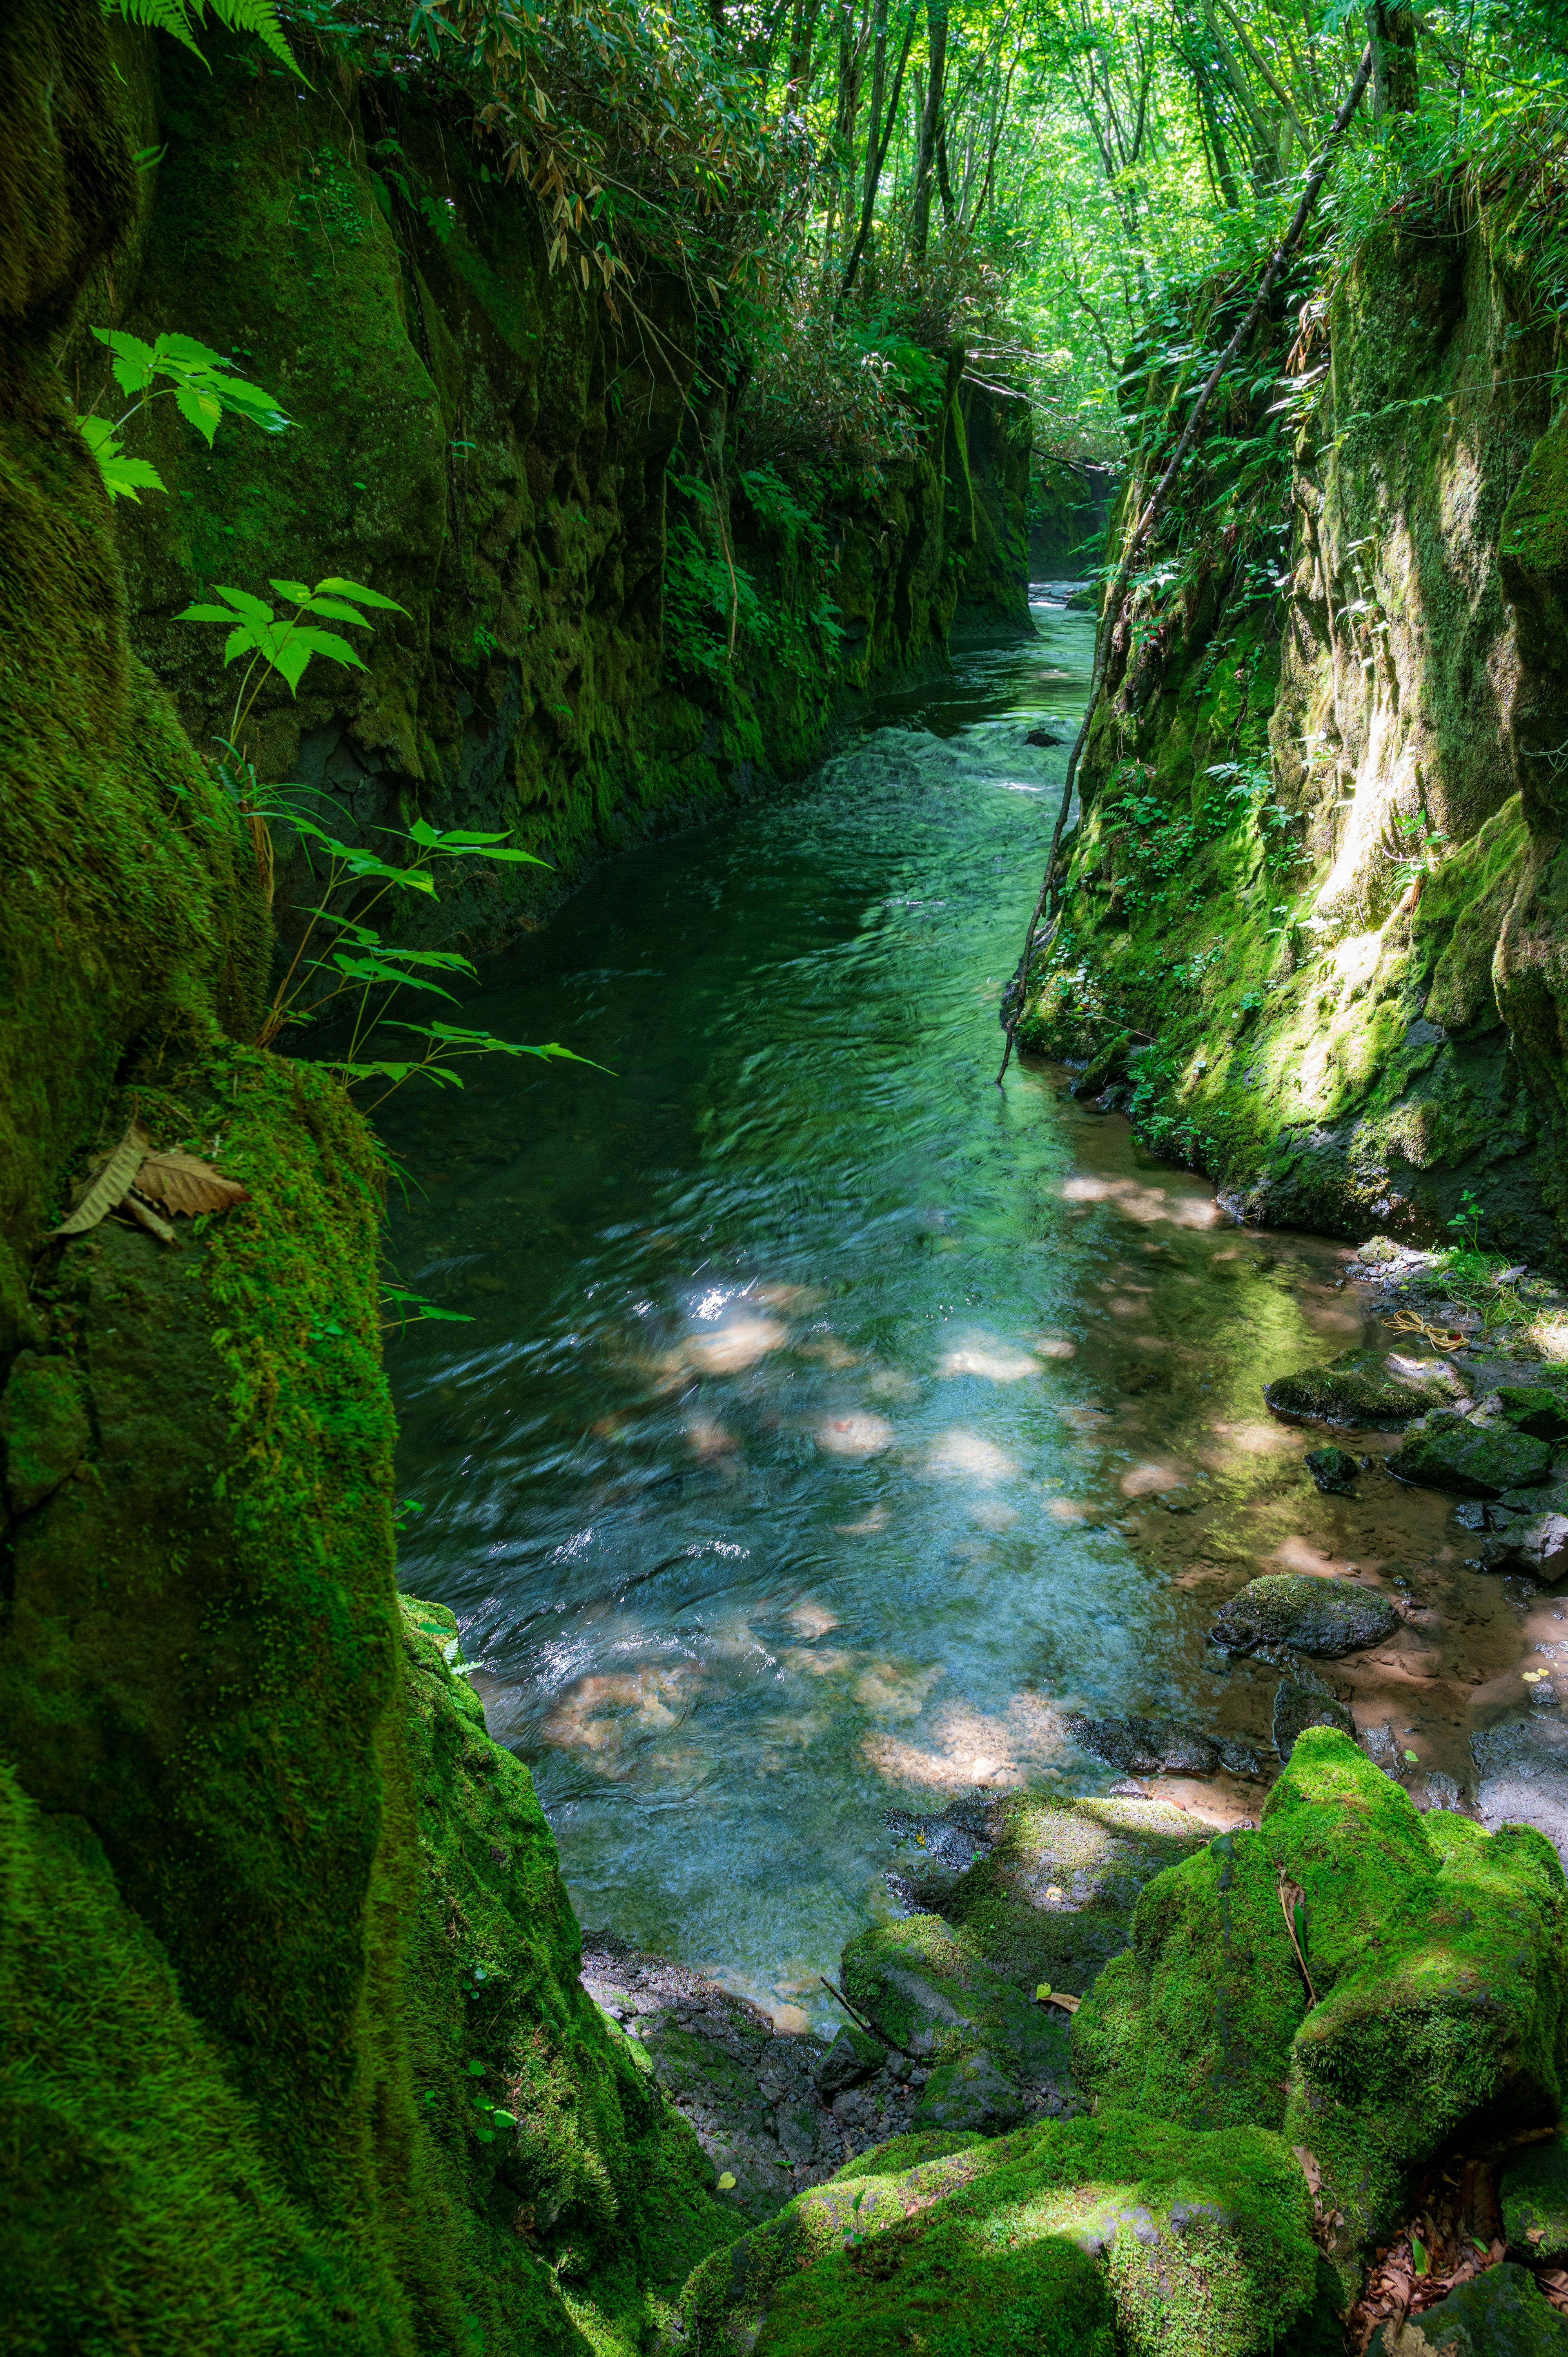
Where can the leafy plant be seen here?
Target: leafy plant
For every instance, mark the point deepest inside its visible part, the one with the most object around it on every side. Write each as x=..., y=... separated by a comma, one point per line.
x=203, y=386
x=855, y=2232
x=287, y=646
x=1466, y=1222
x=173, y=18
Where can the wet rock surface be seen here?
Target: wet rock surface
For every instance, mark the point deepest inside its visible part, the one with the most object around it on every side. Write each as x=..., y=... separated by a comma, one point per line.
x=1298, y=1705
x=1325, y=1617
x=750, y=2091
x=1523, y=1765
x=1479, y=1456
x=1334, y=1470
x=1379, y=1390
x=1153, y=1746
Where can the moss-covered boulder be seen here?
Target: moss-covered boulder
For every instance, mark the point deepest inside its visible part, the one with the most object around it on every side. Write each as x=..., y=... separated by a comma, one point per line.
x=1076, y=2239
x=1539, y=1409
x=1333, y=1470
x=1500, y=2314
x=924, y=1987
x=1376, y=1390
x=852, y=2057
x=1534, y=2191
x=1429, y=1991
x=1055, y=1896
x=1473, y=1460
x=1325, y=1617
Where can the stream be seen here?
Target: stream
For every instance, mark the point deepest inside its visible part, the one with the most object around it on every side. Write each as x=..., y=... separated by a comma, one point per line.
x=829, y=1423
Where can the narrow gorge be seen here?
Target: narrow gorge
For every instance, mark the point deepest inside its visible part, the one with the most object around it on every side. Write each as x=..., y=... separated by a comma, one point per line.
x=676, y=1677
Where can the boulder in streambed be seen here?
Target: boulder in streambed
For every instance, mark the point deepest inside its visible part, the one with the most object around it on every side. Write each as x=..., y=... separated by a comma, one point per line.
x=1478, y=1457
x=1298, y=1705
x=1294, y=1609
x=1539, y=1409
x=1156, y=1747
x=1523, y=1765
x=1534, y=2192
x=1054, y=1897
x=1334, y=1470
x=1081, y=2236
x=1382, y=1391
x=922, y=1986
x=974, y=2095
x=852, y=2058
x=1500, y=2313
x=1437, y=1956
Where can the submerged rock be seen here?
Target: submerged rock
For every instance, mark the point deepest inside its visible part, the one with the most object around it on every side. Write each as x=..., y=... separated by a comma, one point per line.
x=1477, y=1460
x=1084, y=2237
x=1438, y=1956
x=1144, y=1746
x=1501, y=2313
x=1523, y=1765
x=1381, y=1390
x=1534, y=2192
x=1055, y=1897
x=1298, y=1705
x=1325, y=1617
x=1332, y=1470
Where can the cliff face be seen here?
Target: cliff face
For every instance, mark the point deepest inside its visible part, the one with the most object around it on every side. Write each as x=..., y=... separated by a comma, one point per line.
x=1320, y=860
x=479, y=440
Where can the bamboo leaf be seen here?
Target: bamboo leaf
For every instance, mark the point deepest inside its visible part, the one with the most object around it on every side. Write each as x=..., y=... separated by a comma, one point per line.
x=108, y=1187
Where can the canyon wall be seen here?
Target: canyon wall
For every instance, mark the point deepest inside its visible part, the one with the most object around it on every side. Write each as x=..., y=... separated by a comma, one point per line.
x=1317, y=893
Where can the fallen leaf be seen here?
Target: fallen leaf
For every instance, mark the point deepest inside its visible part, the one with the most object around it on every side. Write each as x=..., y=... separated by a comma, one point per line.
x=1067, y=2004
x=1309, y=2168
x=726, y=2182
x=108, y=1185
x=183, y=1182
x=1535, y=2234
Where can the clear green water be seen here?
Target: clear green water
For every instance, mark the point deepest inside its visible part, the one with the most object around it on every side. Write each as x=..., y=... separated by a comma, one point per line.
x=775, y=1481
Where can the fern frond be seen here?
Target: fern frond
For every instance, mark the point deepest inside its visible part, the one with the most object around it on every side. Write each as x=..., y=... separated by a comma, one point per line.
x=173, y=18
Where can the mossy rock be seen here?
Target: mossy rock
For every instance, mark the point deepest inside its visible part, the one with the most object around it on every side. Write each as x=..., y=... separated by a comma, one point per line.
x=927, y=1990
x=1298, y=1705
x=901, y=2152
x=1333, y=1471
x=973, y=2096
x=852, y=2057
x=1535, y=2202
x=1438, y=1957
x=1501, y=2313
x=43, y=1429
x=1475, y=1460
x=1055, y=1897
x=1325, y=1617
x=1074, y=2239
x=1539, y=1409
x=1361, y=1388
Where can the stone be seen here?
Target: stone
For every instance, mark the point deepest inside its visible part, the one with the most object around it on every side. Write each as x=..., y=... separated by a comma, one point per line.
x=1323, y=1616
x=1143, y=1746
x=1298, y=1707
x=43, y=1429
x=971, y=2096
x=1478, y=1460
x=1442, y=1791
x=1538, y=1409
x=1054, y=1897
x=1500, y=2313
x=852, y=2057
x=1043, y=736
x=1523, y=1765
x=1534, y=2195
x=1380, y=1390
x=922, y=1985
x=1333, y=1470
x=1437, y=1954
x=1083, y=2236
x=1378, y=1252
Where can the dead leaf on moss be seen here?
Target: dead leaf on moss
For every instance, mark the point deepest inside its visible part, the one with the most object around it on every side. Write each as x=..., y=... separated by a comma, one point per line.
x=183, y=1182
x=147, y=1184
x=108, y=1185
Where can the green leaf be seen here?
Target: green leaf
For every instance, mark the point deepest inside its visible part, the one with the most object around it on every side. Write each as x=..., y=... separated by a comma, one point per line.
x=1418, y=2255
x=253, y=609
x=133, y=364
x=360, y=594
x=198, y=408
x=337, y=609
x=204, y=614
x=295, y=591
x=123, y=479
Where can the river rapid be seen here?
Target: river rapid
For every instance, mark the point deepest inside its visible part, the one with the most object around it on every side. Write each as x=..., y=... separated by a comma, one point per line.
x=829, y=1422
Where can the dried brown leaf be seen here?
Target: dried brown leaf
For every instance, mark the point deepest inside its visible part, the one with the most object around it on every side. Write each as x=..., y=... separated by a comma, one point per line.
x=108, y=1185
x=1309, y=2168
x=183, y=1182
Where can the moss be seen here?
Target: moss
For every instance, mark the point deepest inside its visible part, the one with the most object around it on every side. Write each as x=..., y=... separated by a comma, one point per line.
x=1055, y=1897
x=928, y=1989
x=1119, y=2232
x=902, y=2152
x=1475, y=1460
x=1361, y=1388
x=43, y=1429
x=1435, y=1952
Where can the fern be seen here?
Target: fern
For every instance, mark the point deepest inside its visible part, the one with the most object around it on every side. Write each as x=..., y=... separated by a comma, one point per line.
x=173, y=16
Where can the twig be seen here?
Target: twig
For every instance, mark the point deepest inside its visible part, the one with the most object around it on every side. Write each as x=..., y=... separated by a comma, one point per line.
x=1291, y=1896
x=1157, y=499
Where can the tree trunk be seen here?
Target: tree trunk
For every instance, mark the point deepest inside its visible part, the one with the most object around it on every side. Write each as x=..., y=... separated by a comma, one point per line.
x=930, y=125
x=1391, y=32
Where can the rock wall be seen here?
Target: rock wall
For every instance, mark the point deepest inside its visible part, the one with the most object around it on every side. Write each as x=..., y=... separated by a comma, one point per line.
x=1321, y=867
x=478, y=438
x=294, y=2054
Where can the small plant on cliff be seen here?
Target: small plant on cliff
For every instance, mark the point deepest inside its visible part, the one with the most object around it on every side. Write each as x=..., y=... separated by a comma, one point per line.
x=202, y=384
x=173, y=16
x=358, y=965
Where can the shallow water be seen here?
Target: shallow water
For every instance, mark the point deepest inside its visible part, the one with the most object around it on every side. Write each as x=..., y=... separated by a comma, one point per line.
x=830, y=1422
